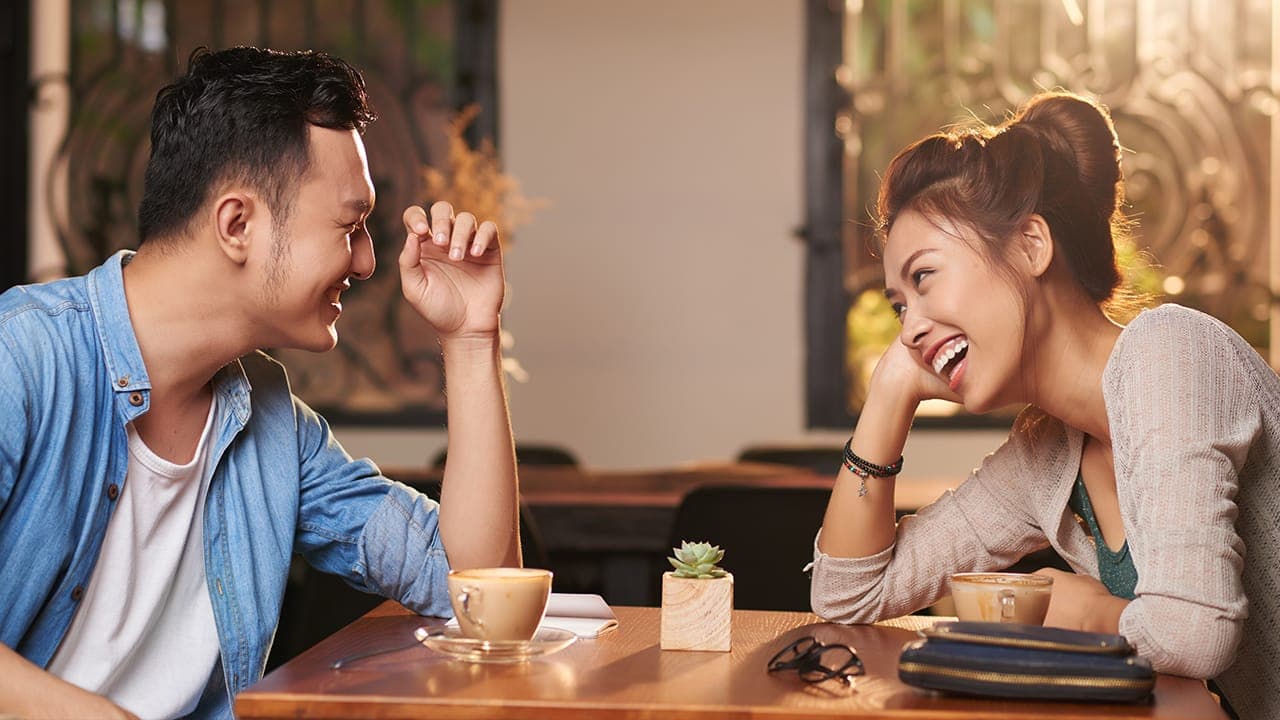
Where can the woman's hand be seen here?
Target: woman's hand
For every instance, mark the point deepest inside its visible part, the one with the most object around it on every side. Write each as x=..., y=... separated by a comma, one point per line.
x=451, y=272
x=901, y=372
x=860, y=520
x=1080, y=602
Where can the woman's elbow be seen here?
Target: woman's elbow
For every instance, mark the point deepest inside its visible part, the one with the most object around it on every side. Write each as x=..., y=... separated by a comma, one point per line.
x=835, y=604
x=1202, y=654
x=1201, y=667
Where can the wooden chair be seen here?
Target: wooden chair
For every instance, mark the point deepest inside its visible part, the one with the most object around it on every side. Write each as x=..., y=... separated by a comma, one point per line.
x=766, y=533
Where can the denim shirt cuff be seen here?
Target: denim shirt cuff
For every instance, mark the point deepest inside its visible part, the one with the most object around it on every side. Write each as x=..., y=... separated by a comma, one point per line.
x=403, y=553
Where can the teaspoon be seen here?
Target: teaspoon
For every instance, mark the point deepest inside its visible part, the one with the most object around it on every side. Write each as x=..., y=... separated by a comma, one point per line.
x=420, y=634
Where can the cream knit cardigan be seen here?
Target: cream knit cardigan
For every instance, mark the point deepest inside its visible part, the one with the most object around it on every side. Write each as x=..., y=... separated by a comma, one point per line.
x=1194, y=413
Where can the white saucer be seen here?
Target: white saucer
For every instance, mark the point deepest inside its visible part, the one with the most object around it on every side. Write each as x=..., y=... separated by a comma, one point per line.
x=452, y=642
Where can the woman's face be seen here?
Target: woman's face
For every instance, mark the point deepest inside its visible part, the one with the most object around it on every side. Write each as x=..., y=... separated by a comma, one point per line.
x=962, y=319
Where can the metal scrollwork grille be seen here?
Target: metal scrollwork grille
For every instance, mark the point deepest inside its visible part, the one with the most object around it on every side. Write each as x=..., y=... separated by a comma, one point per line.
x=1190, y=85
x=422, y=61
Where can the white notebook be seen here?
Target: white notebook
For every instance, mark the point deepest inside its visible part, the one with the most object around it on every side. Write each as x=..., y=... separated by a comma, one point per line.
x=583, y=614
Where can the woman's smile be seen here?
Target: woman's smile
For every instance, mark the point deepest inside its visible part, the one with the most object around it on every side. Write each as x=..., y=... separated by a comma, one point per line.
x=948, y=354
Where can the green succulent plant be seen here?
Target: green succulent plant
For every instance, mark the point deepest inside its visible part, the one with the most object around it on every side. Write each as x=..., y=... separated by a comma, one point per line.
x=697, y=560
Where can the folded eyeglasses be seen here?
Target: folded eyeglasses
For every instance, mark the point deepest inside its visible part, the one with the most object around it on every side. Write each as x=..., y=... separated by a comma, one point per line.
x=815, y=661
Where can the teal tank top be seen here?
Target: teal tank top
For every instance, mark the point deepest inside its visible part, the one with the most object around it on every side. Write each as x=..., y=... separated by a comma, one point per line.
x=1115, y=567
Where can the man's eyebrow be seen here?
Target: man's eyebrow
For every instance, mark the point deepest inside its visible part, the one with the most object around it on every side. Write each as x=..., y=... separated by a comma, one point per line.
x=361, y=206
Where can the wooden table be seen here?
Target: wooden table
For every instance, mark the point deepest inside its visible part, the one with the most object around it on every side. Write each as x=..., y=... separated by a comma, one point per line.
x=624, y=675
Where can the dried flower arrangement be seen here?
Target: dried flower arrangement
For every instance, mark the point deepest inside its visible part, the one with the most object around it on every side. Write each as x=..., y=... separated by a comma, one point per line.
x=472, y=179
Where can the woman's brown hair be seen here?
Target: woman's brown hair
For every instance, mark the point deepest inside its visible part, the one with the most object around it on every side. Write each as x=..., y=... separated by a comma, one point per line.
x=1057, y=157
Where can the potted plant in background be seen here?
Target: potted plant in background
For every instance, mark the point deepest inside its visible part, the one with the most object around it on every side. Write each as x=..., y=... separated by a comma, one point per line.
x=697, y=600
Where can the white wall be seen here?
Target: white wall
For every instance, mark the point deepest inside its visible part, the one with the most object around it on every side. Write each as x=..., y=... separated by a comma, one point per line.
x=658, y=303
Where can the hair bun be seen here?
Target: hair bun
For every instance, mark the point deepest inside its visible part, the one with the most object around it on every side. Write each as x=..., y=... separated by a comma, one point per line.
x=1079, y=133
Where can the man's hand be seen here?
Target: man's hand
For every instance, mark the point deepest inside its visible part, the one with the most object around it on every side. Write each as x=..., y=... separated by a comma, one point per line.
x=1080, y=602
x=451, y=271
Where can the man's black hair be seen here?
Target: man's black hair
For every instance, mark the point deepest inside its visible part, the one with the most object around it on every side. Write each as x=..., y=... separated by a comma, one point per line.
x=241, y=115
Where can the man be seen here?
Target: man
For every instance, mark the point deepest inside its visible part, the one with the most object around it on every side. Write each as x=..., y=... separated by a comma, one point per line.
x=156, y=473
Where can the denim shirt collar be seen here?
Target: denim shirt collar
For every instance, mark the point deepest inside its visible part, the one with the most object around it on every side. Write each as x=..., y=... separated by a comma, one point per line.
x=119, y=345
x=123, y=358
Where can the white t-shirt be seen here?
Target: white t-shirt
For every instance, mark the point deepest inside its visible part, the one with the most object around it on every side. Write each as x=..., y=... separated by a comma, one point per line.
x=144, y=634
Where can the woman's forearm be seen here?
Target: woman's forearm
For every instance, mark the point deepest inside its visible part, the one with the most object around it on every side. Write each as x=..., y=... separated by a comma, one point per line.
x=860, y=525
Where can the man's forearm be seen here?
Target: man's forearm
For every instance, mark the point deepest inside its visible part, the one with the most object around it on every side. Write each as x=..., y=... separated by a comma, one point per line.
x=30, y=692
x=479, y=506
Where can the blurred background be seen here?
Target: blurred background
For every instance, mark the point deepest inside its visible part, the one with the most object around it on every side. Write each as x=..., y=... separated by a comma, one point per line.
x=685, y=186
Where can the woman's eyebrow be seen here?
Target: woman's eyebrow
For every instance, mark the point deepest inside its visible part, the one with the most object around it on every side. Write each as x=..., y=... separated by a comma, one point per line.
x=902, y=272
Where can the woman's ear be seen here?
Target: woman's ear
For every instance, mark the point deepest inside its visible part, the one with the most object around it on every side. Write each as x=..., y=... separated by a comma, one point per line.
x=234, y=220
x=1036, y=244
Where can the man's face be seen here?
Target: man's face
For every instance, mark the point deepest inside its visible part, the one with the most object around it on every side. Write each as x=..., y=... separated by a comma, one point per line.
x=322, y=243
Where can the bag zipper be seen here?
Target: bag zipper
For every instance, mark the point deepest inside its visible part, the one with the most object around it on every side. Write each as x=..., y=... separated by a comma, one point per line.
x=1101, y=648
x=1010, y=679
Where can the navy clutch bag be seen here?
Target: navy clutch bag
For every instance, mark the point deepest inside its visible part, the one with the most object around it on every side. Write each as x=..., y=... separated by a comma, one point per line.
x=1009, y=660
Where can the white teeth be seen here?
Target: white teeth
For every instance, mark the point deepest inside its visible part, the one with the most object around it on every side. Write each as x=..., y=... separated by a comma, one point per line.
x=948, y=353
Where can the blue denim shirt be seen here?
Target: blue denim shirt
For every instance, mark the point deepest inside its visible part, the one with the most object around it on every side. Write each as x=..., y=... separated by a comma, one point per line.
x=72, y=377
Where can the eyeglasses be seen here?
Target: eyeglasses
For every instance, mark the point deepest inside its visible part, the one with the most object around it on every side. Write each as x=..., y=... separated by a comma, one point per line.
x=816, y=662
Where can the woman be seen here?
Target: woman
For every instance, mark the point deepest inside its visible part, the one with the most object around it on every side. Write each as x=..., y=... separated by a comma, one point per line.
x=999, y=261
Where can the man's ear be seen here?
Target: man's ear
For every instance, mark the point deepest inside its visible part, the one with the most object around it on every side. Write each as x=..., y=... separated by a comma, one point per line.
x=237, y=216
x=1036, y=244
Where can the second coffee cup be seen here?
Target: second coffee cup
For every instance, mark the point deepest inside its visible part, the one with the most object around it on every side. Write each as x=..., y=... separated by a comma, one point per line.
x=1001, y=597
x=499, y=604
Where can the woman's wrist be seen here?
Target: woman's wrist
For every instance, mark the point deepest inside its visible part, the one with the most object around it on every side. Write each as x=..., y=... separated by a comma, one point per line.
x=883, y=423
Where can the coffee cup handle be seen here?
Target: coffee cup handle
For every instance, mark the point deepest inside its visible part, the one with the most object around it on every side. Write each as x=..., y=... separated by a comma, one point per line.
x=1006, y=606
x=465, y=597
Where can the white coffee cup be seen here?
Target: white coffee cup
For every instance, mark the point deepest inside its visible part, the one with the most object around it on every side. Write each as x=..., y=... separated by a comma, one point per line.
x=499, y=603
x=1002, y=597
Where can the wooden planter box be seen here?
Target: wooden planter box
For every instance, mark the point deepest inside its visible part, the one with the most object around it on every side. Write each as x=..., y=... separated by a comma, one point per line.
x=697, y=614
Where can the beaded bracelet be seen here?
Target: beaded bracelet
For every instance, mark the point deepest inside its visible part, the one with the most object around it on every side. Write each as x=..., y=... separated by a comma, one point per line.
x=865, y=468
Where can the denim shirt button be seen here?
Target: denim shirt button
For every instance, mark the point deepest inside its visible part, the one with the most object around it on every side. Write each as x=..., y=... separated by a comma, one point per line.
x=77, y=593
x=113, y=491
x=123, y=381
x=135, y=399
